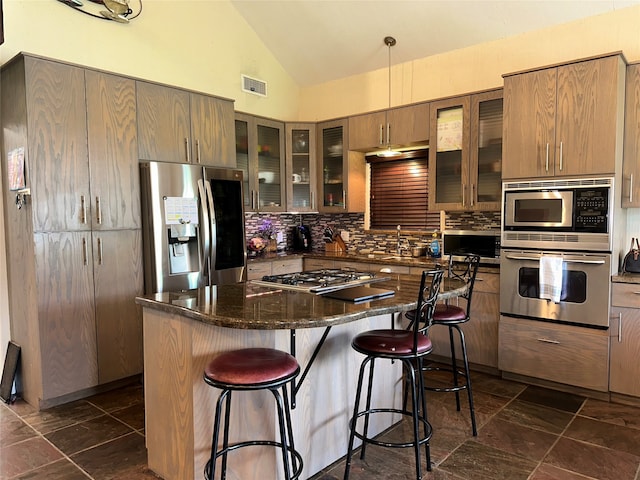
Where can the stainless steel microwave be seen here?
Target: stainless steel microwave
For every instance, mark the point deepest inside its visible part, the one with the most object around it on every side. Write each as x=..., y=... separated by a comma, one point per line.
x=550, y=213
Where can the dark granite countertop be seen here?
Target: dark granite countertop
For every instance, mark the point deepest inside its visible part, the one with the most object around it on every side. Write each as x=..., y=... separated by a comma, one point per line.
x=377, y=258
x=626, y=278
x=249, y=306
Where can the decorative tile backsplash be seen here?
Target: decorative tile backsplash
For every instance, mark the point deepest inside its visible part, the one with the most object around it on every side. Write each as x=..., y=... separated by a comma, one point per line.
x=359, y=238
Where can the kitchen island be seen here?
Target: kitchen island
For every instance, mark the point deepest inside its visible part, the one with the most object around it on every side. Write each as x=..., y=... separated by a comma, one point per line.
x=183, y=331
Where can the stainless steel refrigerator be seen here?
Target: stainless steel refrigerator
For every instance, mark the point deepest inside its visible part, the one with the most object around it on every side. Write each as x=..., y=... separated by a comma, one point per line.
x=193, y=226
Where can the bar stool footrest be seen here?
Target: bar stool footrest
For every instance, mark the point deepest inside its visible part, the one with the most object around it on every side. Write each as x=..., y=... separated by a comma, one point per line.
x=255, y=443
x=373, y=441
x=449, y=389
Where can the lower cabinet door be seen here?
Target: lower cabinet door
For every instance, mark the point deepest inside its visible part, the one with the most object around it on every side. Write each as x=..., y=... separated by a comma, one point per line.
x=119, y=277
x=624, y=376
x=559, y=353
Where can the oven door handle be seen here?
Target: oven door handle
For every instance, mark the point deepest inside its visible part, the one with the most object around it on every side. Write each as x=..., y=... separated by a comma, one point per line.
x=536, y=259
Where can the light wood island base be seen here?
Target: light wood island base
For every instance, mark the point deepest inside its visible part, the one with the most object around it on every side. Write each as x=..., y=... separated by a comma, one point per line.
x=179, y=406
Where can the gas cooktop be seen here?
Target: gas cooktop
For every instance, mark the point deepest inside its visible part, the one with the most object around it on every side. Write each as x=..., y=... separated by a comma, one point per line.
x=318, y=281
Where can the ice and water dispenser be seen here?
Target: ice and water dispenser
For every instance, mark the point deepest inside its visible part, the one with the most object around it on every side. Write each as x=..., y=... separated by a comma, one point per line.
x=183, y=248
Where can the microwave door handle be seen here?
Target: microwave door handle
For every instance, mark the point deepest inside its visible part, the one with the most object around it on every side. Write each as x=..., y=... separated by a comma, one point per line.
x=204, y=230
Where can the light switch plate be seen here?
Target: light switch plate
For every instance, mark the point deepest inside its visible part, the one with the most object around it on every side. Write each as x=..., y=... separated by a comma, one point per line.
x=345, y=235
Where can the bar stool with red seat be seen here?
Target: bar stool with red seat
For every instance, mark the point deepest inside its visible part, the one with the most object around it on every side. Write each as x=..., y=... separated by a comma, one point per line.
x=409, y=347
x=251, y=369
x=452, y=316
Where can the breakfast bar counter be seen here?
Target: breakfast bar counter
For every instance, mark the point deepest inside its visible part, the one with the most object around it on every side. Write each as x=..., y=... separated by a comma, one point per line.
x=184, y=330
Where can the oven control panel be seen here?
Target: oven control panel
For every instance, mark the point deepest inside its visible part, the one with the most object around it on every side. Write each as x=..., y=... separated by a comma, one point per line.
x=591, y=209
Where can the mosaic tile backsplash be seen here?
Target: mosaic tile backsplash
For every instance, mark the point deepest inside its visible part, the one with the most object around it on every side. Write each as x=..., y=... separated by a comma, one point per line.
x=359, y=238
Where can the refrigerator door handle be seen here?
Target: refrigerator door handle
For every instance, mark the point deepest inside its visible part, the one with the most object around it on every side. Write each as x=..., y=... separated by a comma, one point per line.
x=212, y=230
x=205, y=237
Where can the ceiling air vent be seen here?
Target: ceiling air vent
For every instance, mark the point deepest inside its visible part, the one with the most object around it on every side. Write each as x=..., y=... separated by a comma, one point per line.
x=253, y=85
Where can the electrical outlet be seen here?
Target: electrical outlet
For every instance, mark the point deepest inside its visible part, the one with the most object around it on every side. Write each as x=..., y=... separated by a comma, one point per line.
x=279, y=237
x=345, y=235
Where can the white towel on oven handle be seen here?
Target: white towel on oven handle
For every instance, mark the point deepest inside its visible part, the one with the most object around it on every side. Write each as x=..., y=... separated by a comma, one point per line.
x=551, y=277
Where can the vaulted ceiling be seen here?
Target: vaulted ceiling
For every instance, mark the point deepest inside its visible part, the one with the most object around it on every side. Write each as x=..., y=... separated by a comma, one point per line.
x=322, y=40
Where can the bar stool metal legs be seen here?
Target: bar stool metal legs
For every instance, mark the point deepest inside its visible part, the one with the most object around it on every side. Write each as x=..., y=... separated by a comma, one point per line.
x=252, y=370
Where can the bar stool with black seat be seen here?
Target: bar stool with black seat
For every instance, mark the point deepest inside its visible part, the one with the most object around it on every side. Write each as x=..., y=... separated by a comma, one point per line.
x=251, y=369
x=453, y=316
x=409, y=347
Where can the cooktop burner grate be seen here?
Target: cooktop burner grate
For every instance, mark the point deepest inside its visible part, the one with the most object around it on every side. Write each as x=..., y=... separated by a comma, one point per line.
x=319, y=281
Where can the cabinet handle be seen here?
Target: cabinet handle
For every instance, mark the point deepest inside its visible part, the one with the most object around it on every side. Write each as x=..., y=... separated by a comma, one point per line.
x=344, y=199
x=99, y=251
x=186, y=150
x=560, y=156
x=83, y=210
x=84, y=251
x=313, y=201
x=631, y=188
x=473, y=194
x=381, y=139
x=464, y=191
x=98, y=211
x=546, y=164
x=546, y=340
x=619, y=327
x=388, y=133
x=198, y=151
x=253, y=199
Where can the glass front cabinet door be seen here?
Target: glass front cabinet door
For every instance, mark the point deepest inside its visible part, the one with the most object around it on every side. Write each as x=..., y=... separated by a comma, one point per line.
x=301, y=167
x=260, y=155
x=465, y=158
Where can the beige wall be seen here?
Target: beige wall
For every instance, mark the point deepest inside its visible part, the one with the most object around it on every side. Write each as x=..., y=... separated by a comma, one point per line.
x=201, y=45
x=475, y=68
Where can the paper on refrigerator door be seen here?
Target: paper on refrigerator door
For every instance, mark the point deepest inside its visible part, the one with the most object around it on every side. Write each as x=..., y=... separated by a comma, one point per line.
x=180, y=210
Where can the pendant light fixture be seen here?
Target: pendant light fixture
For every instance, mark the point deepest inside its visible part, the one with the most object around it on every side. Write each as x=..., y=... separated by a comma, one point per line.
x=389, y=42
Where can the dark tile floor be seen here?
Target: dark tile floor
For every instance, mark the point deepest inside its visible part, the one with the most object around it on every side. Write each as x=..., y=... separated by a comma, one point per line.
x=524, y=432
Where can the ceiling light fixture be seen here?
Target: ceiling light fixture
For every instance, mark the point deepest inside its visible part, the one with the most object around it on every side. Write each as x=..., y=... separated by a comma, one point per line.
x=116, y=10
x=389, y=42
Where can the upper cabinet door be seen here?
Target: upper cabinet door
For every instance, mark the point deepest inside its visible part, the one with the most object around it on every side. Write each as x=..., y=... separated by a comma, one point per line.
x=368, y=131
x=408, y=125
x=164, y=129
x=449, y=155
x=631, y=163
x=212, y=131
x=113, y=151
x=56, y=160
x=564, y=121
x=301, y=167
x=529, y=124
x=589, y=117
x=485, y=153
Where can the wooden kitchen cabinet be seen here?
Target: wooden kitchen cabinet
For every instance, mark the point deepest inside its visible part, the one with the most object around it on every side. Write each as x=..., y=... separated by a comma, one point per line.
x=317, y=264
x=67, y=350
x=560, y=353
x=257, y=270
x=465, y=156
x=176, y=125
x=301, y=167
x=260, y=154
x=118, y=277
x=396, y=127
x=84, y=197
x=624, y=374
x=481, y=331
x=341, y=172
x=564, y=121
x=56, y=153
x=112, y=151
x=631, y=160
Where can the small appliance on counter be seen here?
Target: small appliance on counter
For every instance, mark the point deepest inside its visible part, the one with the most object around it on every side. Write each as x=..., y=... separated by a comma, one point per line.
x=301, y=238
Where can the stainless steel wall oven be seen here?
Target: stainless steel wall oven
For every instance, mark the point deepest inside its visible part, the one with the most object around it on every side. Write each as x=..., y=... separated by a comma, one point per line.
x=570, y=219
